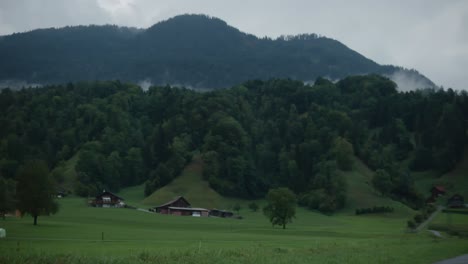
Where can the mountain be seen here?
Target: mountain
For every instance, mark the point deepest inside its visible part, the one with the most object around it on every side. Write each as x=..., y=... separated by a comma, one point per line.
x=191, y=50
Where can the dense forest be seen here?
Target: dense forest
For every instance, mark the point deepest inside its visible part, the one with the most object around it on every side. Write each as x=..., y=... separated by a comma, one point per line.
x=192, y=50
x=252, y=137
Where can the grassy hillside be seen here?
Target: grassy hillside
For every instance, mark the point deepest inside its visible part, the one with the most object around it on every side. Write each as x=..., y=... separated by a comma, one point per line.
x=361, y=194
x=67, y=172
x=191, y=185
x=455, y=181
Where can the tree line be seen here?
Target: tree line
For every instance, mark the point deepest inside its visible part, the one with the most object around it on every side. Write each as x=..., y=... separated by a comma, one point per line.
x=252, y=137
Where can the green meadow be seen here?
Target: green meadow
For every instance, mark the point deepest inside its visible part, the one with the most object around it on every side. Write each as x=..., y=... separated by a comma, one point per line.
x=83, y=234
x=80, y=234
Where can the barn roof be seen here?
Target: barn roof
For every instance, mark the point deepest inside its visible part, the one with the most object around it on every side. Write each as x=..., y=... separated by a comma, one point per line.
x=188, y=208
x=173, y=201
x=104, y=192
x=440, y=188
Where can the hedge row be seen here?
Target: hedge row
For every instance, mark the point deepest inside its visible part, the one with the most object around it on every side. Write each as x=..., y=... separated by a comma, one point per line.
x=374, y=210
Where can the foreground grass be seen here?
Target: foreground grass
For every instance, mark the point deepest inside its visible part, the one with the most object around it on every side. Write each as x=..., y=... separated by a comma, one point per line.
x=75, y=235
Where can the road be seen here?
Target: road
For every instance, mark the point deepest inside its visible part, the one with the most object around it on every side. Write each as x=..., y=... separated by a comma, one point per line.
x=428, y=220
x=457, y=260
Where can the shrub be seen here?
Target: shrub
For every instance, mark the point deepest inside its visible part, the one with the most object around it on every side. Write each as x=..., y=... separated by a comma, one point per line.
x=374, y=210
x=411, y=224
x=418, y=218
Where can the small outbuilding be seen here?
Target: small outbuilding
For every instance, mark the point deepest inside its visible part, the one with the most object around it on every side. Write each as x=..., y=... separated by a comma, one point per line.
x=107, y=199
x=456, y=201
x=221, y=213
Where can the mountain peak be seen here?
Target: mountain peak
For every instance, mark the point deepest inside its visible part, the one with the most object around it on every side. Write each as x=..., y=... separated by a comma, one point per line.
x=191, y=22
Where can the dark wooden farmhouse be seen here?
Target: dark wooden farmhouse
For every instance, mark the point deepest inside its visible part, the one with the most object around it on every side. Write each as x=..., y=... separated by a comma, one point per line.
x=221, y=213
x=436, y=191
x=107, y=199
x=177, y=202
x=456, y=201
x=180, y=206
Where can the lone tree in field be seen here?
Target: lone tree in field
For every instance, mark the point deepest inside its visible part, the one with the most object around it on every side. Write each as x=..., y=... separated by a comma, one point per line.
x=253, y=206
x=281, y=206
x=236, y=208
x=35, y=190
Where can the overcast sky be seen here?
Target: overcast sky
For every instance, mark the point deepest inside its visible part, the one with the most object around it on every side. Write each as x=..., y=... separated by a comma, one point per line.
x=430, y=36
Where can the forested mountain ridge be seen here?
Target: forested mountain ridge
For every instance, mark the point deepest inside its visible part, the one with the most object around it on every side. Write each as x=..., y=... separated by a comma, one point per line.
x=252, y=137
x=191, y=50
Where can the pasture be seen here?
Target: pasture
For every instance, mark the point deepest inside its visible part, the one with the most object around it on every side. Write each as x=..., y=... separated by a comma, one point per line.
x=81, y=234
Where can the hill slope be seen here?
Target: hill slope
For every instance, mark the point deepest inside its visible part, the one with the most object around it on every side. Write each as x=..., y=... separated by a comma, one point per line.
x=191, y=50
x=455, y=181
x=190, y=185
x=361, y=193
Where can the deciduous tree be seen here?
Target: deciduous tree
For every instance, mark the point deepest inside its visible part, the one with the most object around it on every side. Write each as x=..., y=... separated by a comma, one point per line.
x=35, y=190
x=281, y=208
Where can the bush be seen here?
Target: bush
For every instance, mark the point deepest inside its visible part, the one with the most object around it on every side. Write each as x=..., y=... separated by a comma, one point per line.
x=253, y=206
x=419, y=218
x=374, y=210
x=411, y=224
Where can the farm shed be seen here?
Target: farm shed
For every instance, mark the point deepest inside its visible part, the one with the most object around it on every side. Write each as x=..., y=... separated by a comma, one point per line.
x=108, y=199
x=221, y=213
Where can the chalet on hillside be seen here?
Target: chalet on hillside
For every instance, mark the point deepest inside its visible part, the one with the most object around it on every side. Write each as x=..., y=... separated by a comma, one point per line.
x=107, y=199
x=456, y=201
x=436, y=191
x=180, y=206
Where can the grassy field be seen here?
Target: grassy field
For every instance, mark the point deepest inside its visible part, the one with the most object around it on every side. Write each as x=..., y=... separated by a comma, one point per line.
x=451, y=222
x=79, y=233
x=82, y=234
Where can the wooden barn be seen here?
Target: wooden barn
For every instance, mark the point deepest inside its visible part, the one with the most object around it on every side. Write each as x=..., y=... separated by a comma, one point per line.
x=456, y=201
x=180, y=202
x=180, y=206
x=107, y=199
